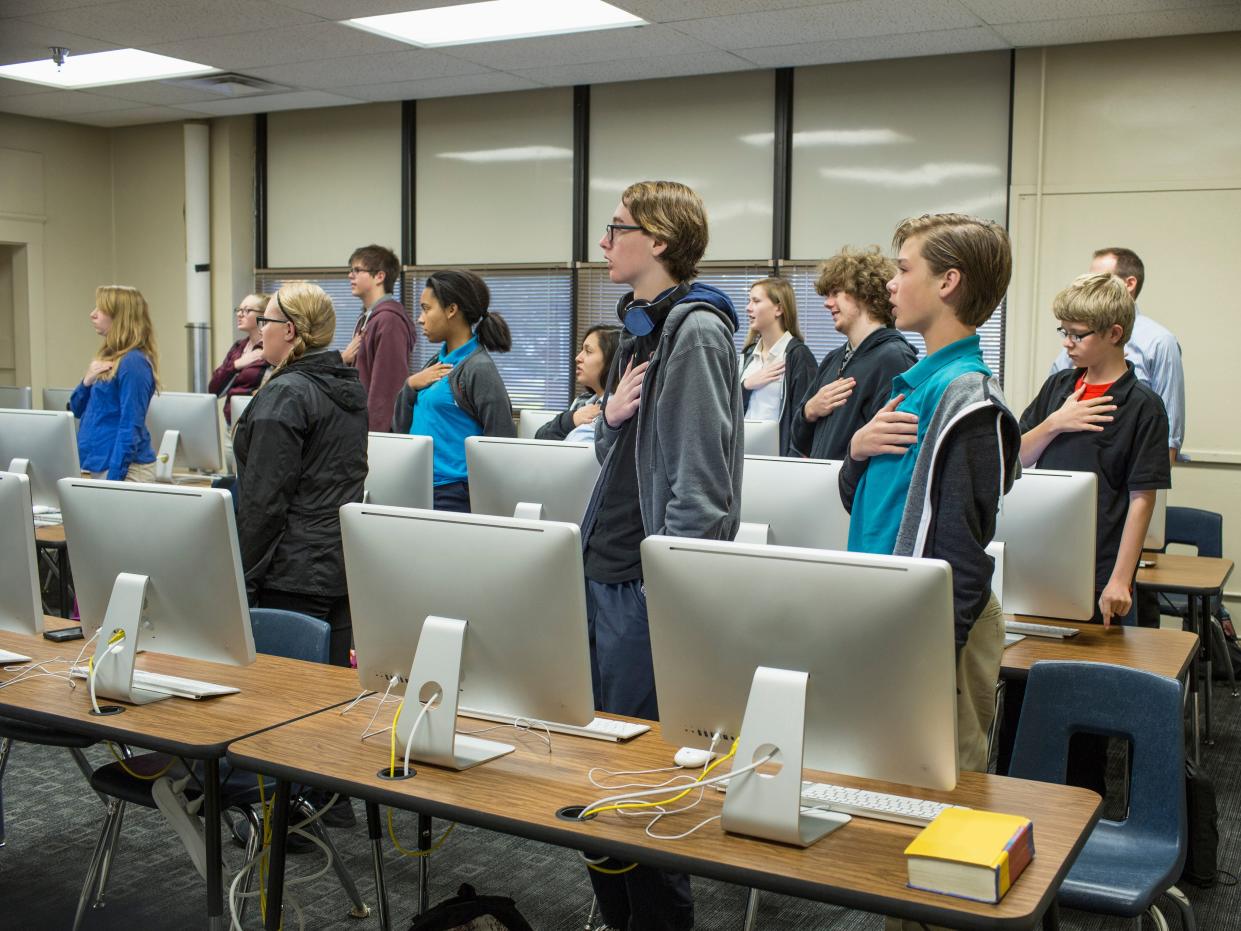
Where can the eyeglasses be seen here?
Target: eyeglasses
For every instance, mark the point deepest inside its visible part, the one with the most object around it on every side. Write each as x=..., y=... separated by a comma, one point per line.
x=263, y=321
x=623, y=227
x=1074, y=338
x=355, y=270
x=248, y=310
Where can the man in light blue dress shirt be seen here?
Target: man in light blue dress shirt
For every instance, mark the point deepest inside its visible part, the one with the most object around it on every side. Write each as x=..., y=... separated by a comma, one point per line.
x=1152, y=348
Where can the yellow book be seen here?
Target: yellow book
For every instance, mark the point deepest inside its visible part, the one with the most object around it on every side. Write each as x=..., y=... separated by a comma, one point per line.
x=971, y=854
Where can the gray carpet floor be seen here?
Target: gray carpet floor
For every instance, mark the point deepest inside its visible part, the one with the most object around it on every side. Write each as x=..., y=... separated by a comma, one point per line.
x=52, y=819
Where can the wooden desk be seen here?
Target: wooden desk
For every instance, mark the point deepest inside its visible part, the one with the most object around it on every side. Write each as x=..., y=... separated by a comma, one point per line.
x=274, y=691
x=1164, y=652
x=1199, y=578
x=862, y=865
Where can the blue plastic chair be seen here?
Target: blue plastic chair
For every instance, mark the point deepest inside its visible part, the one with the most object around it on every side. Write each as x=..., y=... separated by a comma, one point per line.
x=1125, y=865
x=277, y=633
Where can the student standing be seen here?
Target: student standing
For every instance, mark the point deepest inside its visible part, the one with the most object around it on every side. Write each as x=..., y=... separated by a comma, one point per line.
x=776, y=365
x=383, y=340
x=577, y=424
x=459, y=392
x=301, y=454
x=925, y=475
x=670, y=442
x=114, y=394
x=243, y=367
x=855, y=380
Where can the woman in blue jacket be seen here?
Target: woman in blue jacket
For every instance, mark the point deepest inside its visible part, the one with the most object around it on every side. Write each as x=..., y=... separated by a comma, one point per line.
x=116, y=390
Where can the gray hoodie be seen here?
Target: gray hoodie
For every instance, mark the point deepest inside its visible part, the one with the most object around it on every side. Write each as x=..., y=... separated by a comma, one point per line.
x=689, y=446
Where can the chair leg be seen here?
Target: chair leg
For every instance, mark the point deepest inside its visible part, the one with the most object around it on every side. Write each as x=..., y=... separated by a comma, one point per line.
x=253, y=845
x=1185, y=906
x=377, y=865
x=1219, y=643
x=105, y=867
x=360, y=908
x=6, y=746
x=1161, y=923
x=751, y=911
x=92, y=871
x=87, y=770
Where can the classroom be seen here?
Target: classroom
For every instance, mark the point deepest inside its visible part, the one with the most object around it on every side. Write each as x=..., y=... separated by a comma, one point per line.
x=806, y=128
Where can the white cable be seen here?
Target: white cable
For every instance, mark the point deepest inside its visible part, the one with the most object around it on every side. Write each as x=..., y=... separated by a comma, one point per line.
x=86, y=646
x=94, y=671
x=522, y=725
x=676, y=811
x=714, y=780
x=683, y=834
x=680, y=774
x=27, y=671
x=422, y=713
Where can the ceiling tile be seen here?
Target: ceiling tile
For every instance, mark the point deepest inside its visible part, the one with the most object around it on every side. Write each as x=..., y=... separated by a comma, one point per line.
x=670, y=11
x=637, y=69
x=21, y=88
x=298, y=100
x=161, y=93
x=385, y=68
x=23, y=41
x=910, y=45
x=601, y=45
x=1030, y=11
x=30, y=7
x=135, y=117
x=1106, y=28
x=487, y=83
x=142, y=23
x=833, y=21
x=57, y=105
x=308, y=43
x=352, y=9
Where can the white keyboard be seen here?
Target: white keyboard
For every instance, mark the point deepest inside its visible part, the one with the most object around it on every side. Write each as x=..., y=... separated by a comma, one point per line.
x=1010, y=639
x=877, y=805
x=598, y=729
x=8, y=658
x=45, y=516
x=1040, y=630
x=170, y=685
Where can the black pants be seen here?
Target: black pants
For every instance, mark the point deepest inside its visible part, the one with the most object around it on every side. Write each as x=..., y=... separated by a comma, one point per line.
x=453, y=497
x=331, y=608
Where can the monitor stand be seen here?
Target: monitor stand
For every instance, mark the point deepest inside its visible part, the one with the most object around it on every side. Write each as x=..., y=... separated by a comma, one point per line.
x=20, y=466
x=748, y=532
x=766, y=805
x=114, y=672
x=166, y=457
x=528, y=510
x=437, y=668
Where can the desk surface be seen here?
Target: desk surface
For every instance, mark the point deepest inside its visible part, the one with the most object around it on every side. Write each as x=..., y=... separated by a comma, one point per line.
x=1189, y=575
x=273, y=691
x=50, y=534
x=862, y=865
x=1164, y=652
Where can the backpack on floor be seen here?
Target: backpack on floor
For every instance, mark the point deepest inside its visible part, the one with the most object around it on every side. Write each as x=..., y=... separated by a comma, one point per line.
x=1202, y=848
x=469, y=911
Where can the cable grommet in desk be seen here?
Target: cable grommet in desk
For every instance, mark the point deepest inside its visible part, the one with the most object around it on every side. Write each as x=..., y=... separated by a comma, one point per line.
x=107, y=709
x=391, y=776
x=573, y=813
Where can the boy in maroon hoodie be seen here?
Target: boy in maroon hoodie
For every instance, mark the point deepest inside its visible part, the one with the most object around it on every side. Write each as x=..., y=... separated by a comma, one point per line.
x=383, y=340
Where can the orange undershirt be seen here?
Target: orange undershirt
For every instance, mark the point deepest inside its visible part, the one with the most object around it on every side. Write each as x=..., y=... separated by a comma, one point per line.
x=1092, y=391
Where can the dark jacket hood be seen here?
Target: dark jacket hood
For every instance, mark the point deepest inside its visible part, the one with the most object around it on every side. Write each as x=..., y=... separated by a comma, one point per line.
x=881, y=336
x=706, y=294
x=328, y=371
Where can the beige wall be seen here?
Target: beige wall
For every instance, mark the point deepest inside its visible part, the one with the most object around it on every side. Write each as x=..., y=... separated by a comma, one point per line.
x=1137, y=144
x=8, y=330
x=232, y=225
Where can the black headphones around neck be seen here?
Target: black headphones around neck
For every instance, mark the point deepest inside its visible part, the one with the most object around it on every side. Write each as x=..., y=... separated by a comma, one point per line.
x=639, y=317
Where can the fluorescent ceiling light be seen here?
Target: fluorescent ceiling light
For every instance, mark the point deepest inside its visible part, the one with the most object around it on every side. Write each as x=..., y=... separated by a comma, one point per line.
x=832, y=137
x=932, y=174
x=495, y=21
x=122, y=66
x=525, y=153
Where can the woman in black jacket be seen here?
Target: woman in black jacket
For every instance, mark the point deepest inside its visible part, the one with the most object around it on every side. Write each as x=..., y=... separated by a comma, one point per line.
x=593, y=364
x=301, y=454
x=776, y=365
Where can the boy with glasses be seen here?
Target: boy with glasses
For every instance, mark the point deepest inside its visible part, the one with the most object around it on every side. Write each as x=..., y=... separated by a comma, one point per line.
x=383, y=339
x=670, y=443
x=1097, y=417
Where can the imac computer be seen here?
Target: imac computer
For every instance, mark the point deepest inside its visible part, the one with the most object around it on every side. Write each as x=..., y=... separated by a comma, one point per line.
x=1047, y=526
x=842, y=662
x=762, y=437
x=793, y=502
x=21, y=604
x=400, y=470
x=160, y=563
x=493, y=609
x=531, y=420
x=185, y=429
x=21, y=399
x=535, y=479
x=56, y=399
x=42, y=445
x=1157, y=529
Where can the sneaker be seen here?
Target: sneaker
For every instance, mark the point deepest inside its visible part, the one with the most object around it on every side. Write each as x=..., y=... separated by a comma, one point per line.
x=188, y=826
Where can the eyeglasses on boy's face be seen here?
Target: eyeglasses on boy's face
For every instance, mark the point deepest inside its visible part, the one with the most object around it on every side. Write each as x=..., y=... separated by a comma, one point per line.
x=612, y=228
x=355, y=270
x=1074, y=338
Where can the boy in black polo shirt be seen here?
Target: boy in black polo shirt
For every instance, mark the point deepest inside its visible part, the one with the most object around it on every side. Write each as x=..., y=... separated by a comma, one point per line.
x=1097, y=417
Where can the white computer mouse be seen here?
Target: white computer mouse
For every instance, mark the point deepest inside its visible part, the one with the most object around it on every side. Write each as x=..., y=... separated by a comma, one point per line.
x=691, y=758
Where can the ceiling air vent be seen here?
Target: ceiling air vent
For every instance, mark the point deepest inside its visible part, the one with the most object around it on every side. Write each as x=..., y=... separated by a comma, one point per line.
x=231, y=85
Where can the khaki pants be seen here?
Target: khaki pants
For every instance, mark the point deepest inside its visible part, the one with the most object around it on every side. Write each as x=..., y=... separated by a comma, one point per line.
x=138, y=472
x=978, y=671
